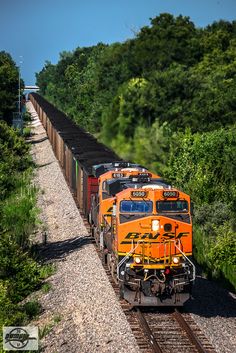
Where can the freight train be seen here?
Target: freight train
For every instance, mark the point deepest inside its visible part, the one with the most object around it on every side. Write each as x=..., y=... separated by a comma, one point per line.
x=141, y=224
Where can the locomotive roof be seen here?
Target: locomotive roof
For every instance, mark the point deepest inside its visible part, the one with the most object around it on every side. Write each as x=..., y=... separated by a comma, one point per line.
x=113, y=186
x=100, y=169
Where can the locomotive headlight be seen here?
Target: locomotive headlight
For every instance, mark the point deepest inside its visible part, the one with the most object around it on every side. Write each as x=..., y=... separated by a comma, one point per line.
x=175, y=260
x=155, y=225
x=137, y=260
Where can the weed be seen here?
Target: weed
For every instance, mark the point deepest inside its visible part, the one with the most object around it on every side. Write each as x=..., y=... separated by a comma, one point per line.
x=46, y=287
x=26, y=132
x=32, y=309
x=44, y=331
x=47, y=271
x=57, y=318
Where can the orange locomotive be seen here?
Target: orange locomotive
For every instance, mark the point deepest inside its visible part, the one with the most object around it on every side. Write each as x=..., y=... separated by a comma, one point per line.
x=147, y=239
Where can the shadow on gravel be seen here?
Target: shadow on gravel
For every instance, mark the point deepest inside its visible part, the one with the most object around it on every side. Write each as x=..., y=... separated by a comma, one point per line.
x=34, y=142
x=211, y=300
x=60, y=249
x=43, y=165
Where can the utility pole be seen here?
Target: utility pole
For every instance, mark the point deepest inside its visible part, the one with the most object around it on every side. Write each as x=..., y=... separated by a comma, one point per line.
x=17, y=120
x=19, y=105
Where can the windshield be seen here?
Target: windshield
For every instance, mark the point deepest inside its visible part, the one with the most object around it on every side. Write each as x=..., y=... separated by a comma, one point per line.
x=172, y=206
x=130, y=206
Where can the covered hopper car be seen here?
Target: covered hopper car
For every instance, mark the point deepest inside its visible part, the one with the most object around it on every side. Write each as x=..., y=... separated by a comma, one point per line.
x=142, y=225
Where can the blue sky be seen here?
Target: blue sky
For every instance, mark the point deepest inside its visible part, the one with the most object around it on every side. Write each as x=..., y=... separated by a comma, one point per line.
x=40, y=30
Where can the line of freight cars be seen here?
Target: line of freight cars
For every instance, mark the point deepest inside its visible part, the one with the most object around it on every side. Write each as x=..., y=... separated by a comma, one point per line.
x=76, y=150
x=142, y=225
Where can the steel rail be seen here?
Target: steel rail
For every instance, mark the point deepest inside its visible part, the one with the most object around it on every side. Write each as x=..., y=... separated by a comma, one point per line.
x=155, y=346
x=191, y=335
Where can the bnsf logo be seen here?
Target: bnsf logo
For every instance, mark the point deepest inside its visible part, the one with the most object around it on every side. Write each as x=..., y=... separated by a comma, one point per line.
x=141, y=236
x=149, y=236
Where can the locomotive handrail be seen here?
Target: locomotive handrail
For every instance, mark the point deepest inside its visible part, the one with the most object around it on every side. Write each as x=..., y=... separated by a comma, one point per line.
x=191, y=263
x=107, y=226
x=126, y=257
x=142, y=241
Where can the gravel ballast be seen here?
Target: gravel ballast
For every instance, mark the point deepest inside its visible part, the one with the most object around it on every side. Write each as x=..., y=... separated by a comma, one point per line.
x=214, y=310
x=81, y=311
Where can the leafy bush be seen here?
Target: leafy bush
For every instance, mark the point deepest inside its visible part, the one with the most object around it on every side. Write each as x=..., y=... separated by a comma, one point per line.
x=32, y=309
x=14, y=157
x=27, y=117
x=19, y=214
x=204, y=166
x=26, y=132
x=8, y=86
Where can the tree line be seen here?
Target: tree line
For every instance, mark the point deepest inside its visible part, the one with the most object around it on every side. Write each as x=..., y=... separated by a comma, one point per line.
x=166, y=99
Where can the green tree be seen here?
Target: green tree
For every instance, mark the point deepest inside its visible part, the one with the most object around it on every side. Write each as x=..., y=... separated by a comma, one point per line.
x=8, y=86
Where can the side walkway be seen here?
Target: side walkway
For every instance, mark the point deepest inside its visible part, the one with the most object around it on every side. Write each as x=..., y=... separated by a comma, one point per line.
x=81, y=295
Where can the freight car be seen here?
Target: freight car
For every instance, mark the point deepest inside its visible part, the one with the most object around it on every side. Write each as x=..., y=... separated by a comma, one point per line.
x=141, y=224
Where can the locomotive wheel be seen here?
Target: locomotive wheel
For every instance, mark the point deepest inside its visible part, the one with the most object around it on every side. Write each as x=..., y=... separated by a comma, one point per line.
x=121, y=290
x=92, y=231
x=113, y=272
x=109, y=262
x=104, y=257
x=96, y=236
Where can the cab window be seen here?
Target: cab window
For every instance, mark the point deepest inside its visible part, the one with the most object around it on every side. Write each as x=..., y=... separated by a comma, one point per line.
x=130, y=206
x=172, y=206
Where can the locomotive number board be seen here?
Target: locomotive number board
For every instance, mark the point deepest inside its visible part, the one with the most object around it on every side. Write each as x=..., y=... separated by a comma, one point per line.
x=170, y=194
x=139, y=193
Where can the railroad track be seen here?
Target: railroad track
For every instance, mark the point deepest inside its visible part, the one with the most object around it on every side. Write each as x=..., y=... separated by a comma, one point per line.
x=173, y=332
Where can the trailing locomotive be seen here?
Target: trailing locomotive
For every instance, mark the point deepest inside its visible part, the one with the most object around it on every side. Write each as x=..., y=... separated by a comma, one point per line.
x=141, y=224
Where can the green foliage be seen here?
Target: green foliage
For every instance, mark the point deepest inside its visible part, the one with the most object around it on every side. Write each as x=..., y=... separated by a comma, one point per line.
x=46, y=287
x=20, y=274
x=171, y=72
x=150, y=152
x=10, y=314
x=224, y=248
x=15, y=159
x=57, y=318
x=129, y=109
x=45, y=330
x=217, y=251
x=27, y=117
x=27, y=132
x=47, y=270
x=204, y=166
x=8, y=86
x=20, y=215
x=32, y=309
